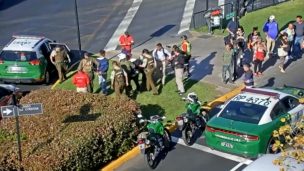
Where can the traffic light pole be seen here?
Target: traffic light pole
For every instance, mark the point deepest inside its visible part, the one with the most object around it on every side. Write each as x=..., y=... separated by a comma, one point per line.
x=77, y=25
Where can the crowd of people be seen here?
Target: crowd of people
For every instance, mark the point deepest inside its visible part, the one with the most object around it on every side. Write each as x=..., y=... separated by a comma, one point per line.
x=241, y=52
x=145, y=71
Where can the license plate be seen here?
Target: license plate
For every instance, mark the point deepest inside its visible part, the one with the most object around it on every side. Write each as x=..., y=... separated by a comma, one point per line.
x=16, y=70
x=225, y=144
x=141, y=146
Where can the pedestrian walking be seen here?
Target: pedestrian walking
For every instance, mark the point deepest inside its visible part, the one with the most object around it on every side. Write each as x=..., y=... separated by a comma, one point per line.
x=271, y=30
x=161, y=55
x=227, y=63
x=148, y=64
x=299, y=34
x=59, y=57
x=248, y=76
x=119, y=79
x=179, y=62
x=283, y=49
x=126, y=41
x=186, y=49
x=88, y=64
x=102, y=71
x=258, y=57
x=290, y=36
x=81, y=81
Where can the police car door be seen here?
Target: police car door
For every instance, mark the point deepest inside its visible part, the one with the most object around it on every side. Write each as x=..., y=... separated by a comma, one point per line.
x=294, y=107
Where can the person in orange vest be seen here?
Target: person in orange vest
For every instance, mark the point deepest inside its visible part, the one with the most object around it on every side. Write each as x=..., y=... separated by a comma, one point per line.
x=81, y=80
x=186, y=49
x=126, y=41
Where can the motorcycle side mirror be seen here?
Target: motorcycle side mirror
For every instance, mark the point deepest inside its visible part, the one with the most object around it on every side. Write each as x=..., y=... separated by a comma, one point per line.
x=141, y=121
x=139, y=116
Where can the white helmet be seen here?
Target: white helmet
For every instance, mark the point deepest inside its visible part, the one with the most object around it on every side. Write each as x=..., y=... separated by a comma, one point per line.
x=192, y=97
x=122, y=56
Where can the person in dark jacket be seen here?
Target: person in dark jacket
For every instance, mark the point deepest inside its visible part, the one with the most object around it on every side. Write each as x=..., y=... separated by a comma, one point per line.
x=248, y=76
x=102, y=71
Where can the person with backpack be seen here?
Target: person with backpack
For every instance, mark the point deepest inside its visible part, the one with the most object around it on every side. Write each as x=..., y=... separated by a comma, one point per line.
x=119, y=79
x=87, y=64
x=161, y=56
x=102, y=71
x=186, y=49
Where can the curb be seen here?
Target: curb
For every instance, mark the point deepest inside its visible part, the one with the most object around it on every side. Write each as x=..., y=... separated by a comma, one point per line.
x=130, y=154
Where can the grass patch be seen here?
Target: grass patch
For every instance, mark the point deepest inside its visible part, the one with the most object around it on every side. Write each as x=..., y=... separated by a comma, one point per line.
x=167, y=103
x=284, y=13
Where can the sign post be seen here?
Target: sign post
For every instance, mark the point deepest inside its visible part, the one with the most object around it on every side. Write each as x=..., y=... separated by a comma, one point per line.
x=21, y=110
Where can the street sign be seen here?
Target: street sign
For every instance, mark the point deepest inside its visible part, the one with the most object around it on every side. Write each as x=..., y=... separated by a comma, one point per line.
x=7, y=111
x=229, y=15
x=30, y=109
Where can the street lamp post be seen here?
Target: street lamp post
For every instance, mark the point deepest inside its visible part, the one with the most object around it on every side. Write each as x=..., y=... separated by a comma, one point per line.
x=77, y=25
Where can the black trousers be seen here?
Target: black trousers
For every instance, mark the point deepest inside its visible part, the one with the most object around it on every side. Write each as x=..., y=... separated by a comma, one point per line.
x=257, y=66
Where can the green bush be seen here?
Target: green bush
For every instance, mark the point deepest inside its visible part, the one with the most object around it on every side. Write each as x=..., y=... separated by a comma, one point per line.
x=75, y=132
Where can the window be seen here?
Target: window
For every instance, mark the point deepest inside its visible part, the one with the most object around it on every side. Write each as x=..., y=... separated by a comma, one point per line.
x=18, y=56
x=243, y=112
x=278, y=110
x=44, y=50
x=290, y=102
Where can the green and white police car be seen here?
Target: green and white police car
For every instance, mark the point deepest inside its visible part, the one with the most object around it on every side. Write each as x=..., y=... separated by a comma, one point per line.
x=25, y=59
x=245, y=123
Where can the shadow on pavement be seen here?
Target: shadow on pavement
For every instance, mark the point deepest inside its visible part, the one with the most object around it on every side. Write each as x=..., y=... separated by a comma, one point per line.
x=152, y=109
x=5, y=4
x=200, y=70
x=269, y=83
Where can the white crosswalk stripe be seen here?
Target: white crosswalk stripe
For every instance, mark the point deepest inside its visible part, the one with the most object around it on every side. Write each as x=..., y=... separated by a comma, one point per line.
x=187, y=16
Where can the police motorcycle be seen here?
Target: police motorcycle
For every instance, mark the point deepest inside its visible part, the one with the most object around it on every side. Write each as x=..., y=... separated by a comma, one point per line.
x=154, y=140
x=194, y=118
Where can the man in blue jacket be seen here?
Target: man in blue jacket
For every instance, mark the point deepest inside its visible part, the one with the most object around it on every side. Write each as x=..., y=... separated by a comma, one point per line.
x=102, y=71
x=271, y=29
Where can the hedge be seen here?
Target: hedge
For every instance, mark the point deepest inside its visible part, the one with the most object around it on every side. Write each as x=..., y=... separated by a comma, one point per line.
x=75, y=132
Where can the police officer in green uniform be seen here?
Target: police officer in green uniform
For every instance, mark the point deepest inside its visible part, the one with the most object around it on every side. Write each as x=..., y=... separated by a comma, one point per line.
x=58, y=57
x=128, y=67
x=119, y=79
x=148, y=64
x=87, y=64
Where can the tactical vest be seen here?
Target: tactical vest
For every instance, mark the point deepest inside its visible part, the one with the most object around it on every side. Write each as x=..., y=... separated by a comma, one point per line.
x=119, y=77
x=87, y=65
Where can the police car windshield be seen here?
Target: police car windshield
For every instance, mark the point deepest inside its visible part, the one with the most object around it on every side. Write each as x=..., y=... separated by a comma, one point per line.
x=243, y=112
x=17, y=56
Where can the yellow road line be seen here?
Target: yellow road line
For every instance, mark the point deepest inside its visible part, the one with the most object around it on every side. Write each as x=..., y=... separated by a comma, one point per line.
x=54, y=85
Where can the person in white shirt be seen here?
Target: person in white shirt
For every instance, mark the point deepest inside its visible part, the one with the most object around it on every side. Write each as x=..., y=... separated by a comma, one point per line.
x=161, y=56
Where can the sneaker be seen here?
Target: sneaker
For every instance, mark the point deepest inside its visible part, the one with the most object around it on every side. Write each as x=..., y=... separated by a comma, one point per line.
x=282, y=70
x=181, y=93
x=255, y=74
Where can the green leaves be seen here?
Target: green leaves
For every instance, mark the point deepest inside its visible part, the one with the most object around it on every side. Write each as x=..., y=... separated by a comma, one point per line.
x=76, y=131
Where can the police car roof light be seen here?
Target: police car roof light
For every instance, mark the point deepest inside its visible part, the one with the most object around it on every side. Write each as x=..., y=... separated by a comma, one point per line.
x=28, y=37
x=250, y=90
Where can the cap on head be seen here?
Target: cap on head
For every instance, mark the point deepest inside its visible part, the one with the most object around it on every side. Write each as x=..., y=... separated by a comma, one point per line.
x=272, y=17
x=122, y=56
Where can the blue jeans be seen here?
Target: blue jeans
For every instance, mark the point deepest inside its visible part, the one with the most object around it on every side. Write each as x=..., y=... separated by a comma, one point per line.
x=102, y=80
x=296, y=51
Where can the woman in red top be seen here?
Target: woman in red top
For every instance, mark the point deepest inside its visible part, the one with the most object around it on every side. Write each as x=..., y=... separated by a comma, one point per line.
x=258, y=57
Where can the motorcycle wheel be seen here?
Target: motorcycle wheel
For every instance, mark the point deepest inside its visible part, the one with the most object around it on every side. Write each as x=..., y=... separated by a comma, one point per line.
x=151, y=158
x=167, y=139
x=187, y=135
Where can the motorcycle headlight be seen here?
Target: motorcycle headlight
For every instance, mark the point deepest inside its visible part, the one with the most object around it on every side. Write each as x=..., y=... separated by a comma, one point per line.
x=147, y=141
x=185, y=119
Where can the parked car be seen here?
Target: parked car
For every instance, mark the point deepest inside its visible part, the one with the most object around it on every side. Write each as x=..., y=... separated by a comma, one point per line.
x=245, y=123
x=266, y=163
x=25, y=59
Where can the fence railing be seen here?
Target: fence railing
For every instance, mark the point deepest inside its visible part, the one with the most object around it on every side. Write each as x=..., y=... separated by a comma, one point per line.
x=199, y=20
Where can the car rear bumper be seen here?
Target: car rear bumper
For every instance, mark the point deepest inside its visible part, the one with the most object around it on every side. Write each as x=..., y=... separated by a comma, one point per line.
x=21, y=80
x=246, y=149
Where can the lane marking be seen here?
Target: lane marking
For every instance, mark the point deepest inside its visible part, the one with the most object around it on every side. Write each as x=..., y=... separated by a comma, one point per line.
x=123, y=26
x=215, y=152
x=187, y=16
x=236, y=167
